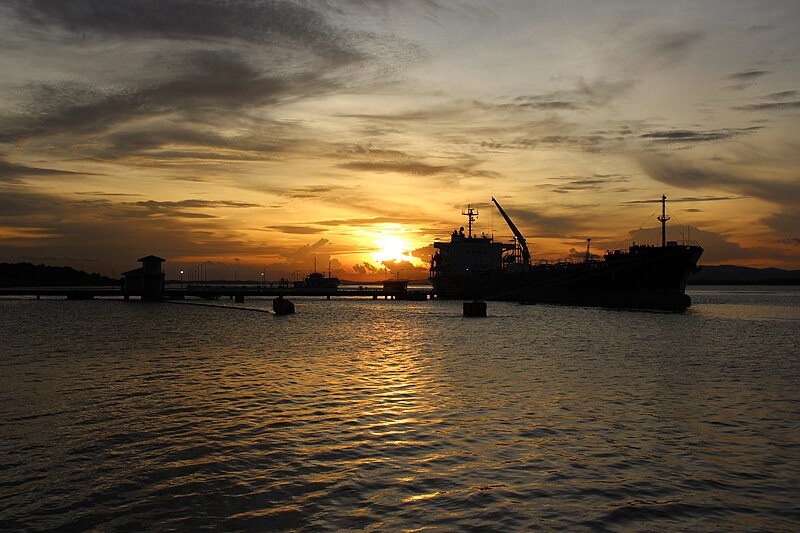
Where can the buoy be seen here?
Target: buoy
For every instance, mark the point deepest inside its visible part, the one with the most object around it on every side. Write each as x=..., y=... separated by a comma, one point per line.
x=475, y=308
x=282, y=306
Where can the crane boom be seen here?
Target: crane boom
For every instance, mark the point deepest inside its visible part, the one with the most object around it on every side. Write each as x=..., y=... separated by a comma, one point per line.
x=526, y=255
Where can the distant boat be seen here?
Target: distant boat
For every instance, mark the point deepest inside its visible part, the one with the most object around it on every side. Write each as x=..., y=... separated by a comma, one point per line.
x=643, y=276
x=317, y=280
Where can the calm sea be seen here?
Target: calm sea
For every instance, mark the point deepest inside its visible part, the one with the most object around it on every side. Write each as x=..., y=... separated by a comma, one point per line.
x=392, y=416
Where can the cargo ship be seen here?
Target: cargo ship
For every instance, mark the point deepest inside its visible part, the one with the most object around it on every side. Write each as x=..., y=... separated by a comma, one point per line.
x=643, y=276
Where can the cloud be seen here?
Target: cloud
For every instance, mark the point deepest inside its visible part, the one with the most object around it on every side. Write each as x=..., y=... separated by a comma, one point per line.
x=218, y=80
x=211, y=204
x=298, y=230
x=717, y=247
x=365, y=268
x=677, y=172
x=415, y=168
x=686, y=199
x=535, y=223
x=785, y=223
x=745, y=78
x=689, y=136
x=770, y=106
x=366, y=221
x=595, y=182
x=747, y=75
x=260, y=22
x=312, y=192
x=782, y=100
x=584, y=95
x=12, y=172
x=387, y=161
x=668, y=49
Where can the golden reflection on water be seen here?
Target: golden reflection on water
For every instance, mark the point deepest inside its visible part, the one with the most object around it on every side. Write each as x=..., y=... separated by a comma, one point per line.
x=387, y=416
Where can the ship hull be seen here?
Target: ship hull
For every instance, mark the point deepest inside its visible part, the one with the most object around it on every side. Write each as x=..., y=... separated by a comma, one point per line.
x=645, y=277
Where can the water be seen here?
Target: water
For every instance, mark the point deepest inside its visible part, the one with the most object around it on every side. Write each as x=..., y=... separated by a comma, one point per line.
x=391, y=416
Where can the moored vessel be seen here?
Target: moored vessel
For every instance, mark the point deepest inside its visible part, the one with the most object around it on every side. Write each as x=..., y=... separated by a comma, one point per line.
x=643, y=276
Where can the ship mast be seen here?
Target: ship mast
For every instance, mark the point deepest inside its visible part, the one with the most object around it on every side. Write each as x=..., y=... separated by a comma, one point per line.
x=472, y=214
x=663, y=218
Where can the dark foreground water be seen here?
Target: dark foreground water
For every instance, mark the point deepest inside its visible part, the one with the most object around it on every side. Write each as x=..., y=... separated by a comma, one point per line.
x=391, y=416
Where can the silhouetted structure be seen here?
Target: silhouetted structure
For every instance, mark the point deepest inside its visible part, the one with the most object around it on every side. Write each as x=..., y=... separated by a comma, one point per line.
x=282, y=306
x=146, y=281
x=471, y=266
x=475, y=308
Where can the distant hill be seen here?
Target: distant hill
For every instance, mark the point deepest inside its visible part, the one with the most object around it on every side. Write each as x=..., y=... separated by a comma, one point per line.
x=738, y=275
x=30, y=275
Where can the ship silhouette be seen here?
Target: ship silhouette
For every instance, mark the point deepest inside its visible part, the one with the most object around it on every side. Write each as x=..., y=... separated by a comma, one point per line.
x=643, y=276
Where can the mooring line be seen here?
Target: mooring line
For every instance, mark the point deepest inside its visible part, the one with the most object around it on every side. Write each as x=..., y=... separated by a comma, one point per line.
x=220, y=306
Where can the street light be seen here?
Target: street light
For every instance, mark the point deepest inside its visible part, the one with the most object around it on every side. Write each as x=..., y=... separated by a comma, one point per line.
x=262, y=279
x=181, y=279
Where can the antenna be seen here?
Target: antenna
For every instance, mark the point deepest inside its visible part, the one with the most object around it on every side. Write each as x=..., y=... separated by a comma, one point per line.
x=472, y=214
x=663, y=218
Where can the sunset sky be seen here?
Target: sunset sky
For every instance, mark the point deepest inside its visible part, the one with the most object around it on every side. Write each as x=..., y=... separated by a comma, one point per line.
x=277, y=132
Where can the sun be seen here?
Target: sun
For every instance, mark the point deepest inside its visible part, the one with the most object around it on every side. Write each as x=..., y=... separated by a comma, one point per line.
x=392, y=248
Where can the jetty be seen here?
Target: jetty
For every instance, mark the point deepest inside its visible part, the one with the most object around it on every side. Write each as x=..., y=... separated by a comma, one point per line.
x=216, y=292
x=148, y=283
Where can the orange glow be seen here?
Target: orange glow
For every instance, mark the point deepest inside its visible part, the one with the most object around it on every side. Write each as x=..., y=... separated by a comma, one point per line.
x=392, y=248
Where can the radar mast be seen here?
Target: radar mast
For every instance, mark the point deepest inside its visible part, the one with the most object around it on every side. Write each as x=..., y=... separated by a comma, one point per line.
x=472, y=214
x=663, y=218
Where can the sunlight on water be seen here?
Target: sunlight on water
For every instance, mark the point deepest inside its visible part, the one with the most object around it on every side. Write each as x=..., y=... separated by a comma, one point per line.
x=358, y=414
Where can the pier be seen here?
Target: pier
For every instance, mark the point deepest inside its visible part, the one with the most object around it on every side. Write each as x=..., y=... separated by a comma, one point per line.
x=216, y=292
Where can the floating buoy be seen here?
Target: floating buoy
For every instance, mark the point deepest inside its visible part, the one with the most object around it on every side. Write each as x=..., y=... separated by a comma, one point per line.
x=282, y=306
x=475, y=308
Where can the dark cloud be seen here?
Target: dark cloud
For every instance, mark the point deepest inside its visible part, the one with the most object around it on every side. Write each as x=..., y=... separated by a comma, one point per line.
x=717, y=247
x=12, y=172
x=757, y=28
x=578, y=183
x=262, y=22
x=745, y=78
x=222, y=81
x=415, y=168
x=104, y=194
x=689, y=136
x=298, y=230
x=584, y=95
x=770, y=106
x=686, y=199
x=210, y=204
x=365, y=268
x=585, y=143
x=311, y=192
x=786, y=224
x=381, y=161
x=163, y=142
x=366, y=221
x=748, y=75
x=782, y=100
x=115, y=232
x=668, y=49
x=679, y=173
x=535, y=223
x=783, y=95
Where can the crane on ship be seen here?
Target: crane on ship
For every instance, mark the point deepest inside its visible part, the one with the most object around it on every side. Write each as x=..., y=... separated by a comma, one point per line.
x=526, y=255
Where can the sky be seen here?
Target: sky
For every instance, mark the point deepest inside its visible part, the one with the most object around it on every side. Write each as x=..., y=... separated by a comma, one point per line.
x=278, y=136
